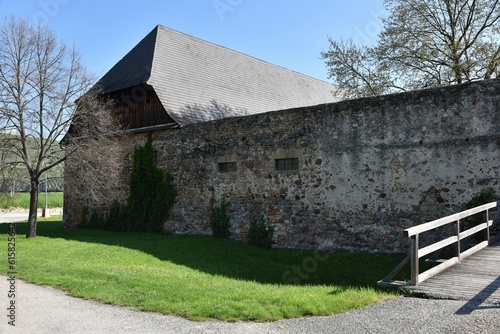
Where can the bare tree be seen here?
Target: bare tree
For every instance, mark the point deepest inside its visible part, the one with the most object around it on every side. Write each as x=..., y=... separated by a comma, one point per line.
x=95, y=159
x=423, y=43
x=40, y=81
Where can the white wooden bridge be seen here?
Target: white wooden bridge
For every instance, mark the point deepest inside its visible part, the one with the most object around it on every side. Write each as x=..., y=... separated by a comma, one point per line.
x=473, y=270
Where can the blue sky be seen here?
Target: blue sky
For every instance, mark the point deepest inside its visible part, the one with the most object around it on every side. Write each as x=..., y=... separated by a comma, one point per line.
x=287, y=33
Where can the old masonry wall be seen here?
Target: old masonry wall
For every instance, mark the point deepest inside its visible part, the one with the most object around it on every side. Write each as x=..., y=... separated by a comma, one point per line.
x=366, y=168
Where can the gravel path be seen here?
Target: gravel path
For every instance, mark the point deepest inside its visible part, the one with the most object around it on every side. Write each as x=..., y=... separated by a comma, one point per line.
x=47, y=310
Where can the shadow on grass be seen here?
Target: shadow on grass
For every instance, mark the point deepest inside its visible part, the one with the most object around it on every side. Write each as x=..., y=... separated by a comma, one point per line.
x=238, y=260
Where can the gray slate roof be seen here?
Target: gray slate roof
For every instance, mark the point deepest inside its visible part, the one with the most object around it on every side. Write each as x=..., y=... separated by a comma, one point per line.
x=198, y=81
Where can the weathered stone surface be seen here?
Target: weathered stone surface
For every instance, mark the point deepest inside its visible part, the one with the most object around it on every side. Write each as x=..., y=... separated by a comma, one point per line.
x=368, y=168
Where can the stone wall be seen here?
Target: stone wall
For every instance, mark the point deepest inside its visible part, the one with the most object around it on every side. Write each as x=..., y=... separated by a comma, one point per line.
x=368, y=168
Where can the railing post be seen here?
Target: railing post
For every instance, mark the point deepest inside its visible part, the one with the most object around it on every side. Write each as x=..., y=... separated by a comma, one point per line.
x=487, y=219
x=414, y=260
x=457, y=231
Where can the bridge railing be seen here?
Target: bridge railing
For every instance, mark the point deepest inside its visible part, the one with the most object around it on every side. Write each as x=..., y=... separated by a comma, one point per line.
x=53, y=184
x=416, y=253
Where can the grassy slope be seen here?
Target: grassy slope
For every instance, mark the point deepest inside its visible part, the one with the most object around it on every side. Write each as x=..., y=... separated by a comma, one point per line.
x=198, y=277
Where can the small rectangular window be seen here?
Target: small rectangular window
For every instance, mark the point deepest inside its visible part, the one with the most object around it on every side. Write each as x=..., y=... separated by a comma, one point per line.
x=287, y=164
x=227, y=167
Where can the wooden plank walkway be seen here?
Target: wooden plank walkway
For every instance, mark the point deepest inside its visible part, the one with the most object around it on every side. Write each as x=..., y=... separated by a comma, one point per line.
x=474, y=278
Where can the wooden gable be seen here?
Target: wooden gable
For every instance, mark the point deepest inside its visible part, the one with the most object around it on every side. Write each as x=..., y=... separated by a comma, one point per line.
x=139, y=107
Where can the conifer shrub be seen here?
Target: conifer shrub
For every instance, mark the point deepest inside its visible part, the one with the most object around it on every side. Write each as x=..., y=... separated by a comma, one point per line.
x=114, y=219
x=151, y=192
x=96, y=220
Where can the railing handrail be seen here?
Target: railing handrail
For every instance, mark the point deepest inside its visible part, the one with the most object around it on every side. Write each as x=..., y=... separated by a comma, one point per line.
x=416, y=252
x=409, y=232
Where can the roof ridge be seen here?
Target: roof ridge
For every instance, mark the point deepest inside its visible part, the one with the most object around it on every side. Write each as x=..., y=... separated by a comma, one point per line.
x=153, y=58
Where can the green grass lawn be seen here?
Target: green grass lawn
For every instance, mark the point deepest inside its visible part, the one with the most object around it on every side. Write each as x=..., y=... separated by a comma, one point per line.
x=22, y=200
x=195, y=276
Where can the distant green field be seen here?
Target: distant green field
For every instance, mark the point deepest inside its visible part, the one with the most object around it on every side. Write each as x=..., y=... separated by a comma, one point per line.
x=19, y=172
x=22, y=200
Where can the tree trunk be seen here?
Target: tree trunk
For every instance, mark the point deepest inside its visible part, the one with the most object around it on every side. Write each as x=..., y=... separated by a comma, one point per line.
x=31, y=231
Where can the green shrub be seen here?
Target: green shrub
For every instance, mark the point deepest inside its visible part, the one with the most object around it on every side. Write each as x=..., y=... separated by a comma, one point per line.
x=486, y=196
x=96, y=220
x=219, y=219
x=85, y=216
x=114, y=220
x=260, y=234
